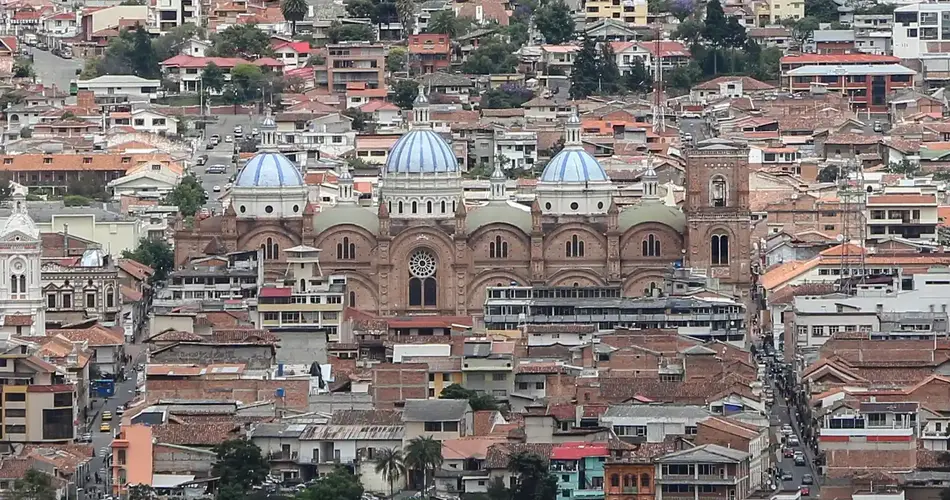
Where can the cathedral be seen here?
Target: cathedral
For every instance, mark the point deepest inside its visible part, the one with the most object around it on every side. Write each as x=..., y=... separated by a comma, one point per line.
x=421, y=249
x=21, y=293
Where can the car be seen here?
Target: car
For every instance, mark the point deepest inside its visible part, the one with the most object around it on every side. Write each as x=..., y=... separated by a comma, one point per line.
x=86, y=437
x=255, y=131
x=106, y=416
x=793, y=441
x=105, y=427
x=202, y=160
x=688, y=137
x=215, y=139
x=210, y=145
x=216, y=189
x=238, y=130
x=119, y=411
x=786, y=430
x=216, y=169
x=806, y=491
x=808, y=479
x=787, y=476
x=800, y=460
x=227, y=138
x=788, y=453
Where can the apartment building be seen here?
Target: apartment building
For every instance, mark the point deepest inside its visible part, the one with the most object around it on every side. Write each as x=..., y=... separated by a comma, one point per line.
x=167, y=15
x=488, y=367
x=353, y=62
x=579, y=469
x=559, y=58
x=743, y=436
x=908, y=215
x=81, y=287
x=305, y=300
x=508, y=307
x=219, y=279
x=638, y=424
x=519, y=148
x=919, y=30
x=774, y=12
x=705, y=472
x=867, y=85
x=630, y=12
x=868, y=437
x=39, y=403
x=431, y=52
x=136, y=88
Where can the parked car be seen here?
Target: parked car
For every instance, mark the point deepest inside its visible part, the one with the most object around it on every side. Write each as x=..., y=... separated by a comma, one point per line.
x=238, y=130
x=808, y=479
x=105, y=427
x=786, y=430
x=202, y=160
x=215, y=139
x=806, y=491
x=106, y=416
x=216, y=189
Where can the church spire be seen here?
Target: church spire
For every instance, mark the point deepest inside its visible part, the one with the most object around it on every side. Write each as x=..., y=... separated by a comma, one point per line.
x=345, y=185
x=498, y=181
x=572, y=131
x=650, y=183
x=268, y=128
x=420, y=110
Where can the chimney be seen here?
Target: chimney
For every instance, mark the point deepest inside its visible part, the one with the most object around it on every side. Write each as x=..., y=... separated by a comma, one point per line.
x=65, y=240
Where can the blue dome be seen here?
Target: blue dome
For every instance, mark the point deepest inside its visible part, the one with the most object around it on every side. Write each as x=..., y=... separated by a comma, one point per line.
x=421, y=151
x=269, y=170
x=573, y=165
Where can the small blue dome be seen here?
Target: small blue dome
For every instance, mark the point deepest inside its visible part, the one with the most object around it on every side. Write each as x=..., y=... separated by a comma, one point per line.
x=421, y=151
x=573, y=165
x=269, y=170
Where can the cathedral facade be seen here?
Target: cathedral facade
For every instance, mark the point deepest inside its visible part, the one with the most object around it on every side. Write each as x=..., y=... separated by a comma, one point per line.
x=421, y=249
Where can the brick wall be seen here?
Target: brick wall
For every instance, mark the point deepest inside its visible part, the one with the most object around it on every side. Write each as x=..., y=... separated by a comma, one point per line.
x=395, y=383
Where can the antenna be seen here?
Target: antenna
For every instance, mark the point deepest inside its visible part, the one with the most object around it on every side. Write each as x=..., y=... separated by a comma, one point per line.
x=659, y=107
x=852, y=198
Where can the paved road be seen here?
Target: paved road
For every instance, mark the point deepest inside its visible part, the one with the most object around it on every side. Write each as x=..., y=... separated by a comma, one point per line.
x=781, y=410
x=695, y=127
x=54, y=70
x=221, y=155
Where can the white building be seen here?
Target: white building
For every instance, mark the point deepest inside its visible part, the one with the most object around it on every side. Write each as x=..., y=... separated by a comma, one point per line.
x=653, y=422
x=21, y=293
x=61, y=24
x=146, y=120
x=902, y=213
x=293, y=54
x=136, y=88
x=151, y=181
x=166, y=15
x=518, y=147
x=549, y=335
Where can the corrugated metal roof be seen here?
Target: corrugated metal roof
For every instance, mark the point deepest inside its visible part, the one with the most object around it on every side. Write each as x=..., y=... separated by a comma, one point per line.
x=420, y=350
x=353, y=432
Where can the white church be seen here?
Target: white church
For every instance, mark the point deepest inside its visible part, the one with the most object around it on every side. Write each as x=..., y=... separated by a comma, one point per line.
x=21, y=292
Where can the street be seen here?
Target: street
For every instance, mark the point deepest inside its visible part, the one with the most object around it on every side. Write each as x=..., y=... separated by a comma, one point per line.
x=54, y=70
x=696, y=127
x=220, y=155
x=780, y=410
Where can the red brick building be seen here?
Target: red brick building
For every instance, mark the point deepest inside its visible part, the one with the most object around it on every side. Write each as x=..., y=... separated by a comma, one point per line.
x=431, y=52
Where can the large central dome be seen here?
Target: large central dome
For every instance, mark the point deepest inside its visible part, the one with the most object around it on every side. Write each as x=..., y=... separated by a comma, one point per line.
x=269, y=170
x=421, y=151
x=573, y=165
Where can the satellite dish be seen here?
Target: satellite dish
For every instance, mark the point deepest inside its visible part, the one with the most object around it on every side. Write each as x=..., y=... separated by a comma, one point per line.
x=840, y=238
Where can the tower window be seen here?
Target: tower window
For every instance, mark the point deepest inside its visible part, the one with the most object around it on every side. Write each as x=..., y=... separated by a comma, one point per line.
x=443, y=206
x=651, y=246
x=14, y=284
x=574, y=247
x=415, y=207
x=498, y=249
x=400, y=207
x=719, y=249
x=270, y=249
x=719, y=192
x=345, y=250
x=428, y=207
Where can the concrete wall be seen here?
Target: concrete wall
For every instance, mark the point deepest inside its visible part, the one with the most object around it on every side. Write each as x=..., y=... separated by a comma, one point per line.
x=179, y=460
x=299, y=348
x=256, y=357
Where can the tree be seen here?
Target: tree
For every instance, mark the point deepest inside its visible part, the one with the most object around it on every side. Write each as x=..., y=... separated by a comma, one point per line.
x=491, y=57
x=242, y=40
x=6, y=190
x=169, y=44
x=405, y=93
x=396, y=59
x=447, y=23
x=141, y=492
x=294, y=11
x=905, y=167
x=533, y=481
x=357, y=32
x=690, y=31
x=802, y=29
x=424, y=454
x=360, y=9
x=144, y=61
x=34, y=485
x=584, y=73
x=639, y=78
x=826, y=11
x=341, y=484
x=505, y=97
x=555, y=22
x=715, y=30
x=477, y=401
x=246, y=81
x=88, y=185
x=361, y=120
x=23, y=68
x=735, y=34
x=156, y=254
x=391, y=465
x=188, y=196
x=406, y=10
x=608, y=73
x=828, y=174
x=212, y=77
x=239, y=466
x=681, y=9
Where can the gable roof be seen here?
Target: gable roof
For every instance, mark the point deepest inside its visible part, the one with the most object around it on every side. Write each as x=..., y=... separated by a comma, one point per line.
x=430, y=410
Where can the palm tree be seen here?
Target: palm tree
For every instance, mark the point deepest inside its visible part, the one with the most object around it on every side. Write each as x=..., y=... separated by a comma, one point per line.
x=294, y=10
x=424, y=453
x=391, y=465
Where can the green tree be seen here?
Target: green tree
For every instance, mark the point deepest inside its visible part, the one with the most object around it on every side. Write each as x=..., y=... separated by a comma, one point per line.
x=533, y=481
x=584, y=73
x=477, y=401
x=406, y=10
x=505, y=97
x=802, y=29
x=607, y=71
x=715, y=29
x=89, y=185
x=23, y=68
x=157, y=254
x=555, y=22
x=447, y=23
x=735, y=34
x=188, y=196
x=424, y=454
x=360, y=9
x=639, y=78
x=141, y=492
x=239, y=466
x=247, y=80
x=242, y=40
x=169, y=44
x=828, y=174
x=905, y=167
x=212, y=77
x=405, y=93
x=5, y=188
x=357, y=32
x=767, y=64
x=826, y=11
x=341, y=484
x=294, y=11
x=34, y=485
x=391, y=465
x=144, y=60
x=684, y=77
x=361, y=120
x=491, y=57
x=689, y=31
x=396, y=59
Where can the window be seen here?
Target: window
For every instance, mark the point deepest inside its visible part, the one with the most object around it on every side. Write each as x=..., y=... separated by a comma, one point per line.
x=14, y=397
x=719, y=249
x=67, y=301
x=91, y=300
x=433, y=426
x=718, y=192
x=651, y=246
x=574, y=247
x=110, y=297
x=615, y=479
x=345, y=250
x=51, y=301
x=802, y=331
x=415, y=207
x=691, y=430
x=644, y=480
x=21, y=413
x=498, y=249
x=14, y=429
x=498, y=377
x=539, y=386
x=61, y=399
x=522, y=386
x=833, y=329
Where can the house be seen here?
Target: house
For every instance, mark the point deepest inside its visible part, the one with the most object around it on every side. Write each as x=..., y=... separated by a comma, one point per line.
x=613, y=30
x=195, y=47
x=731, y=87
x=771, y=36
x=430, y=52
x=293, y=54
x=145, y=120
x=80, y=288
x=448, y=84
x=187, y=69
x=732, y=433
x=558, y=58
x=384, y=114
x=441, y=419
x=129, y=85
x=707, y=472
x=358, y=94
x=463, y=465
x=579, y=467
x=108, y=347
x=151, y=181
x=39, y=403
x=63, y=23
x=352, y=62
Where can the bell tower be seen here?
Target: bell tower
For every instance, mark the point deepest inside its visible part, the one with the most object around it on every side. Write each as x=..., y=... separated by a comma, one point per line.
x=719, y=223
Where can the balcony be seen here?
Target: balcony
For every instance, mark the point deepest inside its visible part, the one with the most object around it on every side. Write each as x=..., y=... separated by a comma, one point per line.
x=695, y=479
x=895, y=433
x=630, y=490
x=283, y=456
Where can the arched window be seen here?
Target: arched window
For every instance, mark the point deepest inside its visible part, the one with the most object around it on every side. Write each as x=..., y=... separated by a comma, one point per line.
x=644, y=480
x=110, y=297
x=718, y=191
x=574, y=247
x=719, y=249
x=415, y=207
x=389, y=205
x=651, y=246
x=346, y=250
x=400, y=207
x=498, y=249
x=352, y=299
x=14, y=284
x=650, y=290
x=614, y=480
x=423, y=288
x=275, y=251
x=428, y=207
x=627, y=479
x=303, y=284
x=22, y=283
x=443, y=206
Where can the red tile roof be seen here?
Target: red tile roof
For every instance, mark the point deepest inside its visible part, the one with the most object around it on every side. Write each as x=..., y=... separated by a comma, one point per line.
x=275, y=292
x=96, y=335
x=902, y=199
x=49, y=388
x=577, y=451
x=839, y=59
x=17, y=320
x=186, y=61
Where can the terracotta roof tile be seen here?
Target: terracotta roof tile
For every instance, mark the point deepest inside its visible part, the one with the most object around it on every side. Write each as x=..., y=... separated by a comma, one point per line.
x=247, y=391
x=96, y=335
x=498, y=454
x=203, y=434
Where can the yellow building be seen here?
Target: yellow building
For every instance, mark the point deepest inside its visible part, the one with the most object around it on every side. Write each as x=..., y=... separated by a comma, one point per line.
x=774, y=11
x=305, y=299
x=38, y=404
x=632, y=12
